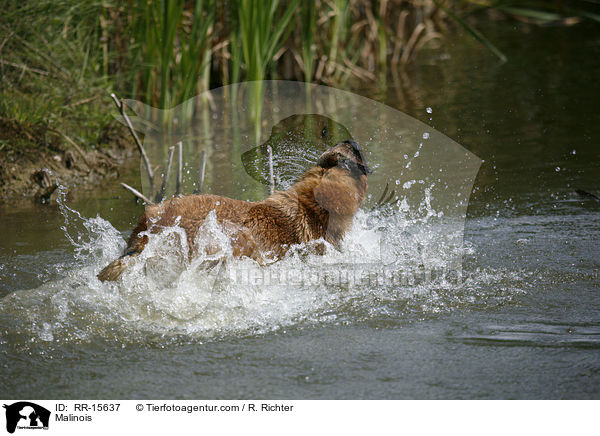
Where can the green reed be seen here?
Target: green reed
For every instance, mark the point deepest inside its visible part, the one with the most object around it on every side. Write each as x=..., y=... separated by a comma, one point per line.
x=307, y=24
x=166, y=51
x=263, y=25
x=171, y=51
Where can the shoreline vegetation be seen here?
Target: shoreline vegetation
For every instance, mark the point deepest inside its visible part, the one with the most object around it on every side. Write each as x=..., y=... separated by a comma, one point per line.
x=60, y=60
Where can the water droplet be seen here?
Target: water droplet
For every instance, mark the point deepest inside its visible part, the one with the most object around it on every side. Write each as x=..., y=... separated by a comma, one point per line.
x=429, y=110
x=557, y=169
x=574, y=152
x=425, y=135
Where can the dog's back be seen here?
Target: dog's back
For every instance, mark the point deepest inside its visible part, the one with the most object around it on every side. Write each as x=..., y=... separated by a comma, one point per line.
x=320, y=205
x=188, y=212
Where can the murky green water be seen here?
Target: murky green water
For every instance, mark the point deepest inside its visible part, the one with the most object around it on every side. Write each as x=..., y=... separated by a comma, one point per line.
x=524, y=324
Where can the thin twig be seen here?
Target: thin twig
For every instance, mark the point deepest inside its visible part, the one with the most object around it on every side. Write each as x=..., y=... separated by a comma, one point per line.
x=163, y=187
x=6, y=39
x=25, y=68
x=121, y=106
x=135, y=192
x=179, y=168
x=75, y=146
x=271, y=175
x=201, y=177
x=85, y=100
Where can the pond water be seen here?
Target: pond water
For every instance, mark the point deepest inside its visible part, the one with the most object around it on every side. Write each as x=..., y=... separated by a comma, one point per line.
x=524, y=322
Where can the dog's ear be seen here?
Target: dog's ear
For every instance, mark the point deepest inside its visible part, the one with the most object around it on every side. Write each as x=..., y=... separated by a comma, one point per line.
x=328, y=159
x=339, y=192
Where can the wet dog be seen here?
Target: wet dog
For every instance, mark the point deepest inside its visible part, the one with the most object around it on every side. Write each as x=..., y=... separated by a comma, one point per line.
x=320, y=205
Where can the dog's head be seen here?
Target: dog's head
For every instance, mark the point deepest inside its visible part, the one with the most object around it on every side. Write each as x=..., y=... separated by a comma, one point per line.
x=348, y=155
x=344, y=184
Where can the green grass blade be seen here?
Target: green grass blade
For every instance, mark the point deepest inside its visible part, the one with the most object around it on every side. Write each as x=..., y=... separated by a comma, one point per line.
x=276, y=36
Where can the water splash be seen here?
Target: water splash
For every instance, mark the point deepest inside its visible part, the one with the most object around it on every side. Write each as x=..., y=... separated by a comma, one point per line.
x=394, y=263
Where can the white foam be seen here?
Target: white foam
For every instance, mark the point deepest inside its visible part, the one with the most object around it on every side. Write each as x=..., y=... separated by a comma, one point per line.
x=164, y=293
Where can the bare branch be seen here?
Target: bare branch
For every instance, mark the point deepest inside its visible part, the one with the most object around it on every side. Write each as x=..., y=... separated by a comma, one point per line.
x=271, y=175
x=73, y=144
x=116, y=101
x=163, y=187
x=121, y=106
x=135, y=192
x=25, y=68
x=179, y=168
x=201, y=177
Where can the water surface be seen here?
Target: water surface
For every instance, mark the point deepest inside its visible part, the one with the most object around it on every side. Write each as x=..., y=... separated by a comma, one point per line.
x=525, y=322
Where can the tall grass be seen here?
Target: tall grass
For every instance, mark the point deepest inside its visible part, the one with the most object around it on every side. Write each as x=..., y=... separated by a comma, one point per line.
x=308, y=25
x=262, y=26
x=166, y=51
x=171, y=49
x=338, y=30
x=52, y=74
x=178, y=48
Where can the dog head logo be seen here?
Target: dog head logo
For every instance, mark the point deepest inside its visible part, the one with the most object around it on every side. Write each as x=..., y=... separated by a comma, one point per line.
x=296, y=143
x=26, y=415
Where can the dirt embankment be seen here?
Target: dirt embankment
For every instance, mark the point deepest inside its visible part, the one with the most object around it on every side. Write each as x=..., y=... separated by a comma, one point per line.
x=39, y=158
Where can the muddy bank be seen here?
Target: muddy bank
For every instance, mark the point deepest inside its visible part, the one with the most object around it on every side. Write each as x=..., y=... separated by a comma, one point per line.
x=30, y=173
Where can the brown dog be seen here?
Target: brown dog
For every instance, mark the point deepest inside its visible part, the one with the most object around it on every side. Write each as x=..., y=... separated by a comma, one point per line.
x=321, y=204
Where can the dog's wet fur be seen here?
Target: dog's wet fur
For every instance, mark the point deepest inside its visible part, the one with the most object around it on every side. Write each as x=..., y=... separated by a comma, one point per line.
x=320, y=205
